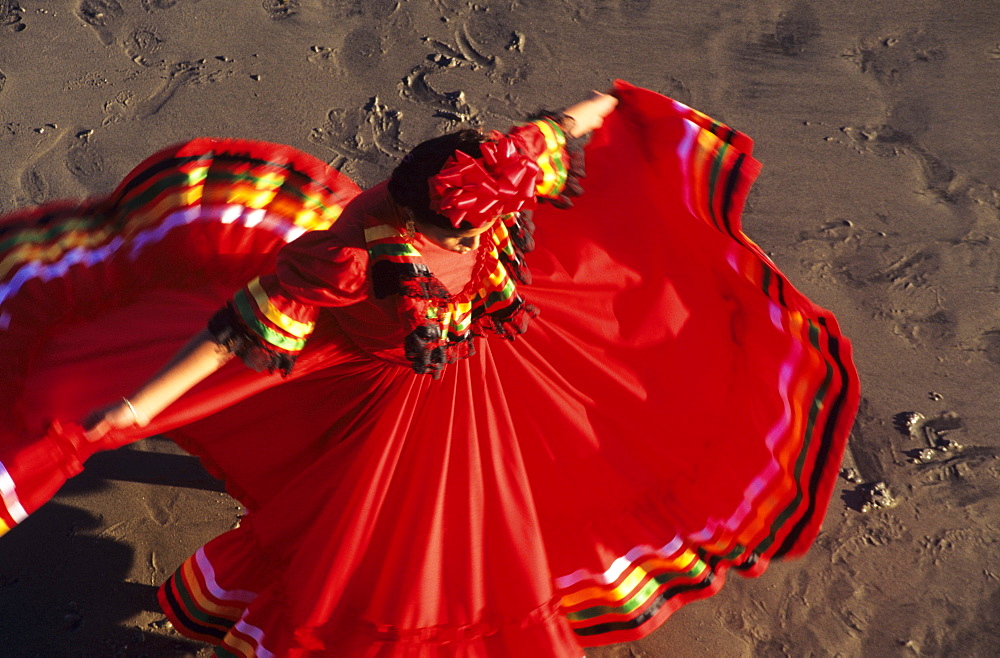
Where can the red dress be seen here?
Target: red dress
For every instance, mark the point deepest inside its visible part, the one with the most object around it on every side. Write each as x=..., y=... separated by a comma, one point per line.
x=676, y=409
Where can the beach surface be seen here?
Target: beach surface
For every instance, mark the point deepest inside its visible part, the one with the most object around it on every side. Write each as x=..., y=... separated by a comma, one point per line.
x=876, y=123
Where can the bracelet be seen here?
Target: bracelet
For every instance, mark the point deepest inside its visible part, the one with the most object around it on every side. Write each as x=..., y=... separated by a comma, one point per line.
x=141, y=420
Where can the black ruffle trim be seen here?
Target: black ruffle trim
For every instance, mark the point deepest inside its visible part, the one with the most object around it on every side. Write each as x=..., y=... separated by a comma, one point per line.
x=229, y=331
x=508, y=323
x=428, y=355
x=406, y=279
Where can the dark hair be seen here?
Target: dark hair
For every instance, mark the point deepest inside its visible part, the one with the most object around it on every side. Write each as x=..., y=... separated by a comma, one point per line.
x=408, y=184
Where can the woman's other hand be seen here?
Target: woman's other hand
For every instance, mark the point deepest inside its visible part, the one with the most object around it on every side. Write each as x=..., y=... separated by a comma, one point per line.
x=588, y=114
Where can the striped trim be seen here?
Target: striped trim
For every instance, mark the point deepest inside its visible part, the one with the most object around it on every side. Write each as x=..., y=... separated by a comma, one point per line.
x=245, y=306
x=200, y=608
x=12, y=504
x=552, y=160
x=263, y=302
x=255, y=182
x=247, y=641
x=778, y=514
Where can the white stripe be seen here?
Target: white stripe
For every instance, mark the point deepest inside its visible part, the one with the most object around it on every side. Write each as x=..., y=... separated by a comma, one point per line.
x=93, y=256
x=9, y=494
x=205, y=566
x=684, y=146
x=258, y=636
x=255, y=217
x=231, y=214
x=619, y=566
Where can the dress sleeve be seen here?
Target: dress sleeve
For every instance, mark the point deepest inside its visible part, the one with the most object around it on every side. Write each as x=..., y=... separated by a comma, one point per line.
x=268, y=321
x=559, y=156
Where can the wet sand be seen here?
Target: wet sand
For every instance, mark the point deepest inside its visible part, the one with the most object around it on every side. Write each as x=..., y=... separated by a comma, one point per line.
x=876, y=124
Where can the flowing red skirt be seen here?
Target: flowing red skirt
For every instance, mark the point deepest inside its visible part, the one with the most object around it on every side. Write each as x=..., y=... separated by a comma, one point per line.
x=677, y=409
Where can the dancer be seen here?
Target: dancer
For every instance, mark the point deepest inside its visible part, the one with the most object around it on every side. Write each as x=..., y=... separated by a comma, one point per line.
x=467, y=436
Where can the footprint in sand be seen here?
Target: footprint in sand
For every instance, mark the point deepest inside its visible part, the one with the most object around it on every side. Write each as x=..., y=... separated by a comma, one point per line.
x=452, y=105
x=890, y=58
x=125, y=106
x=465, y=53
x=989, y=344
x=279, y=10
x=794, y=30
x=362, y=51
x=34, y=186
x=141, y=44
x=101, y=15
x=10, y=15
x=941, y=180
x=370, y=133
x=86, y=165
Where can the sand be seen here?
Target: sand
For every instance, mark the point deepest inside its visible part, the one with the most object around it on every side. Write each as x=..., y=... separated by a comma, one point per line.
x=876, y=124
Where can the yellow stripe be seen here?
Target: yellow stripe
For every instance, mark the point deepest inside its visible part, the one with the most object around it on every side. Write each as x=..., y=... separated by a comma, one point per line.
x=193, y=585
x=3, y=527
x=498, y=276
x=549, y=176
x=50, y=252
x=251, y=198
x=708, y=146
x=292, y=326
x=381, y=232
x=680, y=564
x=311, y=220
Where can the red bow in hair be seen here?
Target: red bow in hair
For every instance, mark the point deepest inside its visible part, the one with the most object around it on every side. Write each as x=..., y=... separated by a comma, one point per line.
x=478, y=190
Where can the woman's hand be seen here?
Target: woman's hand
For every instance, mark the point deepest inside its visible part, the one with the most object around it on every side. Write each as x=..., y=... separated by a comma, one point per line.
x=588, y=114
x=198, y=359
x=118, y=416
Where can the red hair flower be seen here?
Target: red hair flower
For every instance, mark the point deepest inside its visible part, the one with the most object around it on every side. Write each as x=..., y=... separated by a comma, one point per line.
x=478, y=190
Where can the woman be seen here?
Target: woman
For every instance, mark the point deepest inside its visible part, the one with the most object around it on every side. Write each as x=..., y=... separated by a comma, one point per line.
x=675, y=409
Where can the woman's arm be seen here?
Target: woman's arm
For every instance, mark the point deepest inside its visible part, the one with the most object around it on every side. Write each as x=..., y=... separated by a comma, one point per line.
x=194, y=362
x=266, y=324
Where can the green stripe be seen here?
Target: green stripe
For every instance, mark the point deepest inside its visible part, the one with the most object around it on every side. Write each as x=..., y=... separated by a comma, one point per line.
x=500, y=296
x=170, y=179
x=814, y=409
x=245, y=308
x=196, y=612
x=647, y=592
x=222, y=652
x=461, y=327
x=766, y=282
x=735, y=553
x=86, y=224
x=180, y=179
x=713, y=179
x=392, y=249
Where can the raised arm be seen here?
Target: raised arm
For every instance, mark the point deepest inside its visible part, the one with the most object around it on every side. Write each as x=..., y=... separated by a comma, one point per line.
x=588, y=115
